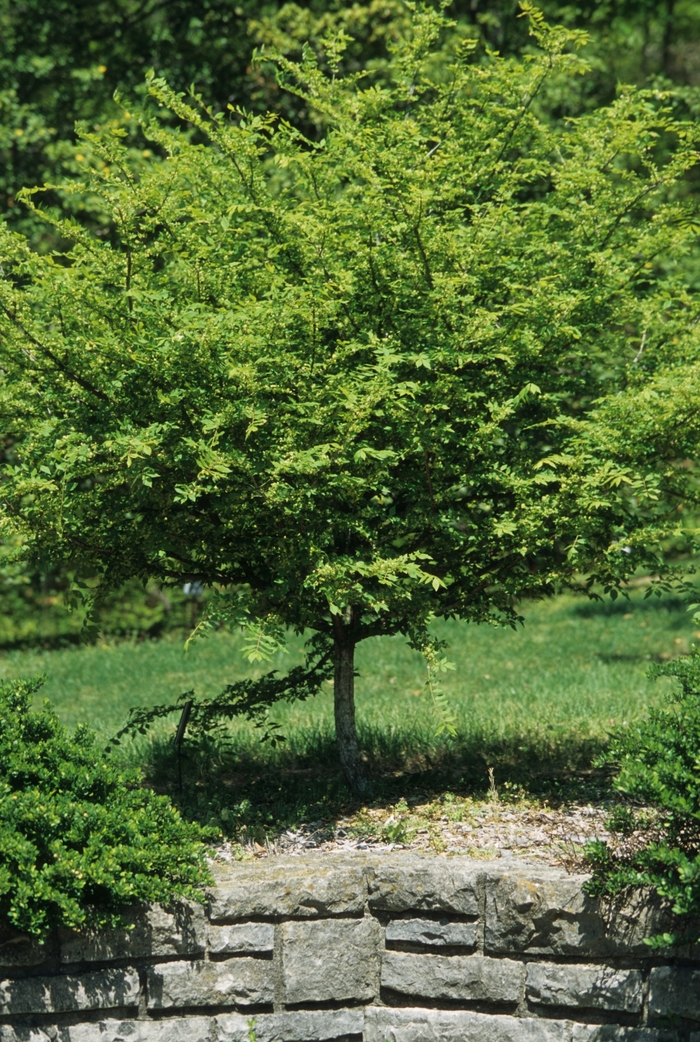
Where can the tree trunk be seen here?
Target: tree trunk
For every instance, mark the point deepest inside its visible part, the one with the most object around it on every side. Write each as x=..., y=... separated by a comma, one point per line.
x=352, y=763
x=667, y=37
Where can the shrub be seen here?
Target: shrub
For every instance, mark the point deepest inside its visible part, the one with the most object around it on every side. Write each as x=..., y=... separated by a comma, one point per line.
x=656, y=843
x=79, y=839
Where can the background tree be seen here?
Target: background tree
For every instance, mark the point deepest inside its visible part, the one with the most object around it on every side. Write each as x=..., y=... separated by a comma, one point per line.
x=360, y=383
x=62, y=61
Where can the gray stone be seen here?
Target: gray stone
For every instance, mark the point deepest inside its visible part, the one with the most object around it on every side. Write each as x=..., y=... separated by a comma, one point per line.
x=584, y=987
x=383, y=1024
x=546, y=913
x=243, y=937
x=471, y=978
x=425, y=884
x=330, y=961
x=289, y=888
x=8, y=1033
x=429, y=933
x=675, y=990
x=103, y=989
x=149, y=931
x=235, y=982
x=542, y=913
x=182, y=1029
x=315, y=1025
x=232, y=1027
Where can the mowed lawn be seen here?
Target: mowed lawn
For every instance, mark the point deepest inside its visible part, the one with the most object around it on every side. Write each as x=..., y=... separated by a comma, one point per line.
x=573, y=671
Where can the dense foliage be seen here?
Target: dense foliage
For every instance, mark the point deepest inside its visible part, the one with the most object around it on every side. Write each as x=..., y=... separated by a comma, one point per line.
x=34, y=612
x=79, y=839
x=657, y=837
x=62, y=62
x=425, y=366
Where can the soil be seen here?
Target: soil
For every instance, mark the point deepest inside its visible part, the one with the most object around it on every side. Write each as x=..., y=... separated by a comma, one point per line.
x=492, y=829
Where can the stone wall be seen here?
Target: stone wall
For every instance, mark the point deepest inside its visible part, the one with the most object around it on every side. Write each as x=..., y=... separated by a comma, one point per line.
x=385, y=948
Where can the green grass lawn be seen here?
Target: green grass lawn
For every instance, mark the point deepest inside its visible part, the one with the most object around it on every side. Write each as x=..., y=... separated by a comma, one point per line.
x=535, y=704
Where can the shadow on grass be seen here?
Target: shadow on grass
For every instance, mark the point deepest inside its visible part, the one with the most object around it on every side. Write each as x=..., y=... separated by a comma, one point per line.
x=257, y=792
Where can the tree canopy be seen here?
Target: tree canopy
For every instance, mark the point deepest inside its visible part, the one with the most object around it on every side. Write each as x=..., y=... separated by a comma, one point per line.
x=405, y=371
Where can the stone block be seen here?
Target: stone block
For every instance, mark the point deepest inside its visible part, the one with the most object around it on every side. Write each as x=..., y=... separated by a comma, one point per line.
x=8, y=1033
x=103, y=989
x=241, y=937
x=425, y=884
x=289, y=888
x=467, y=978
x=584, y=987
x=675, y=990
x=149, y=931
x=432, y=934
x=330, y=961
x=543, y=912
x=384, y=1024
x=300, y=1026
x=235, y=982
x=616, y=1033
x=181, y=1029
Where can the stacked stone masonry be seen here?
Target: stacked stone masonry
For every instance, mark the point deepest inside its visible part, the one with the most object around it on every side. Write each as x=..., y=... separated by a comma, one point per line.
x=381, y=948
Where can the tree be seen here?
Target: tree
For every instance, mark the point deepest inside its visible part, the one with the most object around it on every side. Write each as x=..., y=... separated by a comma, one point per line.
x=356, y=384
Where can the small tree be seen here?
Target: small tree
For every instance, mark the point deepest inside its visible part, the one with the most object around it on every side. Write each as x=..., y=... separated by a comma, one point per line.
x=352, y=384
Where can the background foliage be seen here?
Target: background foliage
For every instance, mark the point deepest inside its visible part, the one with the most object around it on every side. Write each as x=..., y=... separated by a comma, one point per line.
x=62, y=62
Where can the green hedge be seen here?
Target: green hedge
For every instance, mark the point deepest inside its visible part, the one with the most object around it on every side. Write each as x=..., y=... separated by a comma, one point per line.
x=656, y=836
x=80, y=840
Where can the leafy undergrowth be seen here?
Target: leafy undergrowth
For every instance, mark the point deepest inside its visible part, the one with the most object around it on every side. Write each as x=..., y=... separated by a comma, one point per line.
x=655, y=842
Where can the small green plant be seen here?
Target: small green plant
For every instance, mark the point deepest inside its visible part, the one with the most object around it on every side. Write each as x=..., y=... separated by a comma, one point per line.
x=80, y=840
x=397, y=828
x=657, y=842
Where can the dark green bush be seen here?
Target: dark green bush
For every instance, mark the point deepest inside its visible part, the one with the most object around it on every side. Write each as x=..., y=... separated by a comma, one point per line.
x=80, y=840
x=656, y=838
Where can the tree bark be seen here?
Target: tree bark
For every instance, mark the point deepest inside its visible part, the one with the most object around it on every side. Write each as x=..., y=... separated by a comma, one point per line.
x=667, y=37
x=353, y=766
